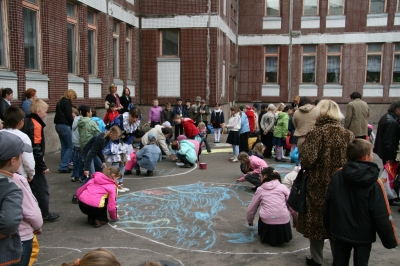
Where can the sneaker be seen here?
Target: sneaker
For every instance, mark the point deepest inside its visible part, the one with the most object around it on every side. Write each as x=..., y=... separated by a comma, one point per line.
x=51, y=217
x=209, y=151
x=204, y=153
x=235, y=160
x=98, y=223
x=311, y=262
x=280, y=160
x=138, y=172
x=136, y=146
x=74, y=179
x=71, y=164
x=128, y=172
x=185, y=166
x=149, y=173
x=75, y=199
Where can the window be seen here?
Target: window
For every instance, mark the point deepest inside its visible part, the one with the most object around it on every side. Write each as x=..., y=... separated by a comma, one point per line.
x=271, y=63
x=398, y=4
x=272, y=8
x=309, y=60
x=377, y=6
x=128, y=52
x=374, y=59
x=116, y=49
x=31, y=34
x=3, y=35
x=396, y=63
x=310, y=7
x=72, y=37
x=336, y=7
x=92, y=43
x=170, y=42
x=334, y=54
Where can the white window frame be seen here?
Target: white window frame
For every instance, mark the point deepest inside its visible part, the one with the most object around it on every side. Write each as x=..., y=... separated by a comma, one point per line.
x=128, y=47
x=74, y=21
x=340, y=63
x=36, y=8
x=279, y=8
x=116, y=28
x=384, y=7
x=303, y=54
x=395, y=52
x=374, y=53
x=93, y=27
x=265, y=62
x=329, y=6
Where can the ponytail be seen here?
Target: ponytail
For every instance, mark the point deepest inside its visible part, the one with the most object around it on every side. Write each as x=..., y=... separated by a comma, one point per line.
x=108, y=171
x=115, y=130
x=270, y=174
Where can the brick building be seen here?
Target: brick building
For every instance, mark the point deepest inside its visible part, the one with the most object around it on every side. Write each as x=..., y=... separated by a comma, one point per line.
x=222, y=50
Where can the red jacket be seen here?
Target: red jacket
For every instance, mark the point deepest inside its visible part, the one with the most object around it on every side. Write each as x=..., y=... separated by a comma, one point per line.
x=109, y=117
x=189, y=128
x=251, y=117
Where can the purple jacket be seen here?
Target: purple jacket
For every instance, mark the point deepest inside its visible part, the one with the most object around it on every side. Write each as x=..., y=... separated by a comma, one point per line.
x=96, y=190
x=271, y=197
x=155, y=114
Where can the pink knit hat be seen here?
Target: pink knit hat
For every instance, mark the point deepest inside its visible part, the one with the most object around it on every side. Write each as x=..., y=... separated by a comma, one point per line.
x=180, y=137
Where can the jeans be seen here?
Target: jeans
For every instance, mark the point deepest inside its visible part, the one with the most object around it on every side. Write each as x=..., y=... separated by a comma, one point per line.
x=204, y=139
x=40, y=190
x=95, y=165
x=183, y=159
x=122, y=169
x=65, y=134
x=26, y=253
x=77, y=170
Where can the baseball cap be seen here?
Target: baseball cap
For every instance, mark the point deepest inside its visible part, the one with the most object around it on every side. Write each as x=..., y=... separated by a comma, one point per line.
x=271, y=106
x=242, y=106
x=256, y=105
x=179, y=99
x=12, y=146
x=151, y=136
x=198, y=98
x=166, y=124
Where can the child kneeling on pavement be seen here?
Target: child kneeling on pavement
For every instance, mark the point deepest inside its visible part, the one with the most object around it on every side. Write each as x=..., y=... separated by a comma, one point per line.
x=148, y=156
x=185, y=151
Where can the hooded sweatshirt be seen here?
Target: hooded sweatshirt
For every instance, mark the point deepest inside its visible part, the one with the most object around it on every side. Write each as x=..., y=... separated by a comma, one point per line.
x=271, y=197
x=97, y=190
x=87, y=129
x=356, y=207
x=304, y=119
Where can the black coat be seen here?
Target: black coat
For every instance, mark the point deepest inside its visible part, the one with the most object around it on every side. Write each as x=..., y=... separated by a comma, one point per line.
x=387, y=137
x=125, y=103
x=64, y=112
x=356, y=207
x=94, y=147
x=3, y=106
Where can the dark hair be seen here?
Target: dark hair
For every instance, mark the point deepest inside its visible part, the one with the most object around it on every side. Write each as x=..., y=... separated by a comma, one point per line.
x=123, y=92
x=355, y=95
x=304, y=101
x=12, y=116
x=316, y=102
x=94, y=112
x=287, y=108
x=167, y=104
x=188, y=101
x=166, y=130
x=135, y=112
x=358, y=148
x=217, y=104
x=84, y=109
x=111, y=105
x=29, y=93
x=395, y=105
x=5, y=92
x=270, y=174
x=3, y=163
x=175, y=145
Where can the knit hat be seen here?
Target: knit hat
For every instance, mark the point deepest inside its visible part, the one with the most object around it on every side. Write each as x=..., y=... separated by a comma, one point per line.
x=257, y=106
x=151, y=136
x=248, y=107
x=181, y=137
x=166, y=124
x=242, y=106
x=179, y=99
x=271, y=106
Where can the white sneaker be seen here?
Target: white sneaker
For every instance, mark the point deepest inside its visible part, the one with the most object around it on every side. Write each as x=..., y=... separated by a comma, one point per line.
x=125, y=189
x=235, y=160
x=121, y=190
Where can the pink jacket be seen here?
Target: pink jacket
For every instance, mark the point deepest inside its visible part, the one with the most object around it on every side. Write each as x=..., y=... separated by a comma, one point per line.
x=272, y=196
x=155, y=114
x=32, y=217
x=96, y=190
x=256, y=164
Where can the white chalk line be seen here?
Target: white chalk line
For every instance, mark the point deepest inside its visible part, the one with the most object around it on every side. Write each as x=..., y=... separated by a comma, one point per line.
x=93, y=248
x=162, y=176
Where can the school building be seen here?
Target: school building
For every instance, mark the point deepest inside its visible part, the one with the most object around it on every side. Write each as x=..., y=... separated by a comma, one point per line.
x=225, y=51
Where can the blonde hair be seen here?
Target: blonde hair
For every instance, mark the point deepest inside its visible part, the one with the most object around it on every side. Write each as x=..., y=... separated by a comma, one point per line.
x=75, y=111
x=38, y=105
x=280, y=107
x=258, y=148
x=70, y=95
x=236, y=109
x=98, y=257
x=152, y=263
x=201, y=125
x=244, y=158
x=115, y=130
x=296, y=98
x=328, y=109
x=108, y=171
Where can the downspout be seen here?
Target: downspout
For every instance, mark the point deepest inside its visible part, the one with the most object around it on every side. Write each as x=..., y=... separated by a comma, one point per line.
x=140, y=52
x=208, y=52
x=290, y=51
x=108, y=44
x=235, y=86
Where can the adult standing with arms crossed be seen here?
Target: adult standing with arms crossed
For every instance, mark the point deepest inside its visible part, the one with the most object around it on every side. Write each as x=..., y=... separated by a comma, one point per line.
x=357, y=116
x=113, y=97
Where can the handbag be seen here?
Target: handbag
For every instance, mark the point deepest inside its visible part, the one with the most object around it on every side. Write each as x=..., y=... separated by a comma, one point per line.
x=297, y=197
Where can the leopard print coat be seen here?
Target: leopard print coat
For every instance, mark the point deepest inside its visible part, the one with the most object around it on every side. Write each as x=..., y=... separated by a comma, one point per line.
x=323, y=152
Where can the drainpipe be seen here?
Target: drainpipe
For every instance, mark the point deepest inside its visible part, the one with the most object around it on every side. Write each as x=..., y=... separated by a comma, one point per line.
x=108, y=44
x=290, y=50
x=208, y=52
x=140, y=53
x=235, y=86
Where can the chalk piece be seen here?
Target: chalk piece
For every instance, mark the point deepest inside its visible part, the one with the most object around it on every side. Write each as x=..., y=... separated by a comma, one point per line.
x=203, y=166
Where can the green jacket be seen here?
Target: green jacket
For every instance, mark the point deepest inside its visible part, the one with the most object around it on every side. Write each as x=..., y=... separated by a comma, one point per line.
x=87, y=129
x=282, y=126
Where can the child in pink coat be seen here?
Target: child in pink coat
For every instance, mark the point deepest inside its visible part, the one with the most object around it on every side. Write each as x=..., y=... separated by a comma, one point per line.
x=274, y=222
x=251, y=166
x=98, y=195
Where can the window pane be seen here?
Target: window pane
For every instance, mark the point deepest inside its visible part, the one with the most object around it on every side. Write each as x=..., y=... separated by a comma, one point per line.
x=115, y=27
x=396, y=68
x=273, y=8
x=333, y=48
x=71, y=47
x=336, y=7
x=374, y=68
x=115, y=57
x=309, y=69
x=377, y=6
x=271, y=69
x=309, y=48
x=170, y=42
x=90, y=17
x=30, y=39
x=374, y=47
x=397, y=47
x=70, y=10
x=271, y=49
x=31, y=1
x=310, y=7
x=91, y=52
x=333, y=69
x=2, y=40
x=128, y=60
x=398, y=4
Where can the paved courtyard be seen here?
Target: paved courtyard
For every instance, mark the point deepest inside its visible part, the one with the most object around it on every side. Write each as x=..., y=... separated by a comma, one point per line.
x=186, y=216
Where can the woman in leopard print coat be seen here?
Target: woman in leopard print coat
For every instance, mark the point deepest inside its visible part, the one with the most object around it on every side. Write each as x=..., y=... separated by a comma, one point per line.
x=322, y=153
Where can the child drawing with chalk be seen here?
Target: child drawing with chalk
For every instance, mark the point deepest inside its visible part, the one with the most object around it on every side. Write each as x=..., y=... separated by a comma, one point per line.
x=274, y=222
x=98, y=257
x=98, y=195
x=251, y=166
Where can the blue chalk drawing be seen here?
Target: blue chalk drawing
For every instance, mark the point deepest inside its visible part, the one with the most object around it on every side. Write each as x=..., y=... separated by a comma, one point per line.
x=180, y=216
x=283, y=169
x=246, y=236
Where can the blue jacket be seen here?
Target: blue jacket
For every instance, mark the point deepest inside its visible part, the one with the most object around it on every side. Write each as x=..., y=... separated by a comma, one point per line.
x=188, y=149
x=148, y=156
x=244, y=128
x=100, y=123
